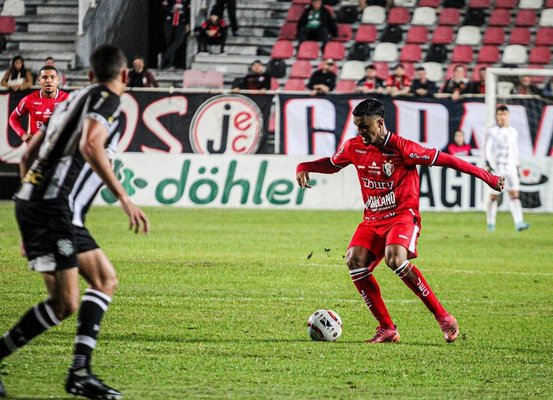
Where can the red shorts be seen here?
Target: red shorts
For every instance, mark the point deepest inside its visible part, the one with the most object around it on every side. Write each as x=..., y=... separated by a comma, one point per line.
x=376, y=235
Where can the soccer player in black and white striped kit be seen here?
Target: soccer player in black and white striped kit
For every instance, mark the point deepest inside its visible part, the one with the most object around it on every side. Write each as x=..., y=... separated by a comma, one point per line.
x=62, y=171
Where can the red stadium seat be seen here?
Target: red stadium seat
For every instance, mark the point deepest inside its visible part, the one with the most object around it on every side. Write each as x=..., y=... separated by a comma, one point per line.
x=479, y=3
x=399, y=16
x=409, y=69
x=381, y=70
x=344, y=33
x=334, y=67
x=537, y=80
x=442, y=35
x=488, y=55
x=274, y=84
x=449, y=71
x=417, y=34
x=475, y=71
x=544, y=37
x=494, y=35
x=549, y=4
x=520, y=36
x=462, y=54
x=301, y=69
x=540, y=55
x=429, y=3
x=334, y=50
x=526, y=18
x=500, y=17
x=282, y=49
x=366, y=34
x=309, y=50
x=304, y=2
x=295, y=84
x=288, y=31
x=345, y=86
x=449, y=16
x=202, y=79
x=510, y=4
x=294, y=12
x=7, y=25
x=410, y=53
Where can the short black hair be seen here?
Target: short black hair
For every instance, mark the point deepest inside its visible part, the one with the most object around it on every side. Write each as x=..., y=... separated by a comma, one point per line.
x=48, y=68
x=420, y=69
x=107, y=61
x=501, y=107
x=369, y=108
x=49, y=58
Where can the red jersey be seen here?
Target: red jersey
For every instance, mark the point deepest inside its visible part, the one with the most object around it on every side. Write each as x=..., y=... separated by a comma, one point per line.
x=398, y=82
x=456, y=150
x=39, y=109
x=388, y=177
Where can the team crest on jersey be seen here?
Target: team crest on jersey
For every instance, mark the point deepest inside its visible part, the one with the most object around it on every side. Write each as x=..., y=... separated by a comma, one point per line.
x=388, y=168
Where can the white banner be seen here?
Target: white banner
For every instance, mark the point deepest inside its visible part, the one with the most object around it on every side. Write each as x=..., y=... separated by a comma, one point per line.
x=258, y=181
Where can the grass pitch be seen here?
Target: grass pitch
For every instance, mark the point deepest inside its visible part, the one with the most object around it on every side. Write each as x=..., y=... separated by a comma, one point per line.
x=213, y=304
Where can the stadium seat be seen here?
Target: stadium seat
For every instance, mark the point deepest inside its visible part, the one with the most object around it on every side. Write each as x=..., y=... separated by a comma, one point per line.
x=534, y=4
x=474, y=17
x=504, y=88
x=494, y=35
x=436, y=53
x=202, y=79
x=303, y=2
x=409, y=69
x=520, y=35
x=514, y=54
x=500, y=17
x=405, y=3
x=537, y=80
x=540, y=55
x=295, y=84
x=449, y=71
x=469, y=35
x=434, y=71
x=301, y=69
x=352, y=70
x=214, y=79
x=544, y=37
x=386, y=52
x=334, y=50
x=548, y=3
x=344, y=33
x=333, y=69
x=424, y=16
x=359, y=51
x=454, y=4
x=429, y=3
x=488, y=55
x=475, y=71
x=345, y=86
x=294, y=12
x=410, y=53
x=366, y=34
x=462, y=54
x=417, y=34
x=276, y=68
x=282, y=49
x=7, y=25
x=479, y=3
x=449, y=16
x=443, y=35
x=274, y=86
x=288, y=31
x=382, y=70
x=546, y=18
x=526, y=18
x=373, y=15
x=399, y=16
x=308, y=50
x=347, y=14
x=392, y=34
x=510, y=4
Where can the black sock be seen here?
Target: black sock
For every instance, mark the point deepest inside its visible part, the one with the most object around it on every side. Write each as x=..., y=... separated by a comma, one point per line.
x=93, y=306
x=37, y=320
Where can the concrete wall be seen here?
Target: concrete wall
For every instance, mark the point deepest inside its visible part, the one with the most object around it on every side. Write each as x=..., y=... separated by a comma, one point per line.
x=123, y=23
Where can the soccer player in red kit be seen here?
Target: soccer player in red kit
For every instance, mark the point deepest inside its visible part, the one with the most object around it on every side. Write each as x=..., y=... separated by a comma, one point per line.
x=386, y=167
x=39, y=105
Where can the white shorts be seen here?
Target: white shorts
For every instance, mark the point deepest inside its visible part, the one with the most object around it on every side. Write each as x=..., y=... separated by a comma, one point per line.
x=512, y=181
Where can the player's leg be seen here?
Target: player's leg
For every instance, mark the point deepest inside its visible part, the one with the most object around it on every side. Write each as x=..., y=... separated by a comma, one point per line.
x=513, y=186
x=491, y=212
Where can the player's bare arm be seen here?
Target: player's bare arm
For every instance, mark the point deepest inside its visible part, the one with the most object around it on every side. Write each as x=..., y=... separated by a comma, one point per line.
x=322, y=165
x=92, y=148
x=31, y=154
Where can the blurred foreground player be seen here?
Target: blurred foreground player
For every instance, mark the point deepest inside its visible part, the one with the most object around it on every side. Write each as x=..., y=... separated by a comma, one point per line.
x=39, y=105
x=386, y=167
x=63, y=169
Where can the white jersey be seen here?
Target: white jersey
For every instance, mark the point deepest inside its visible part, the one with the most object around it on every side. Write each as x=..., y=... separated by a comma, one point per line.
x=501, y=149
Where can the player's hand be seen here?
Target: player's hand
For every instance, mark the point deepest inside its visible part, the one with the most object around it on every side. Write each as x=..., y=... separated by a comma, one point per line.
x=27, y=137
x=303, y=179
x=500, y=184
x=137, y=218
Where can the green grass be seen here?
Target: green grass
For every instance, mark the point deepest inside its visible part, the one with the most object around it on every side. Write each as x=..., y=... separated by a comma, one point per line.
x=213, y=304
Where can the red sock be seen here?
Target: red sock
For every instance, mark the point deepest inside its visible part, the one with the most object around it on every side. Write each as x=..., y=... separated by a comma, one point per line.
x=415, y=281
x=367, y=286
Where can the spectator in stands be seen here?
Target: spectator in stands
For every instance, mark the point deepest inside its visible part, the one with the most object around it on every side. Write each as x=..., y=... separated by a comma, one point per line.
x=219, y=8
x=421, y=86
x=256, y=79
x=479, y=86
x=398, y=84
x=316, y=23
x=525, y=86
x=17, y=77
x=176, y=26
x=323, y=80
x=458, y=147
x=139, y=76
x=548, y=88
x=213, y=31
x=458, y=84
x=370, y=83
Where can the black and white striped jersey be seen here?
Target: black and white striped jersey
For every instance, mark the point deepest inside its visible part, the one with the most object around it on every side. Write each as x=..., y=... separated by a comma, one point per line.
x=60, y=171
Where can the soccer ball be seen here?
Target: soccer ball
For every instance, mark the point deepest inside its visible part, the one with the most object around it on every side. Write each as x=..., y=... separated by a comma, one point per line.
x=324, y=325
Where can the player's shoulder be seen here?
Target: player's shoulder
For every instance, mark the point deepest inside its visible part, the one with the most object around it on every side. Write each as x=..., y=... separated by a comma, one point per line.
x=102, y=98
x=62, y=95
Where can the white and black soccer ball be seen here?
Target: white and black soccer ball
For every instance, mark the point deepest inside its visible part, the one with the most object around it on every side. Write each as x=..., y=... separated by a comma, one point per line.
x=324, y=325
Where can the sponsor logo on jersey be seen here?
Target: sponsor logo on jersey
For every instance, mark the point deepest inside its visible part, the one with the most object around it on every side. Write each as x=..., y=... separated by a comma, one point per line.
x=65, y=247
x=379, y=203
x=379, y=185
x=361, y=151
x=388, y=168
x=415, y=155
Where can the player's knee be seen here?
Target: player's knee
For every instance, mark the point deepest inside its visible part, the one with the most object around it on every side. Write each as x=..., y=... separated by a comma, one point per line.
x=107, y=285
x=493, y=198
x=65, y=307
x=354, y=261
x=394, y=260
